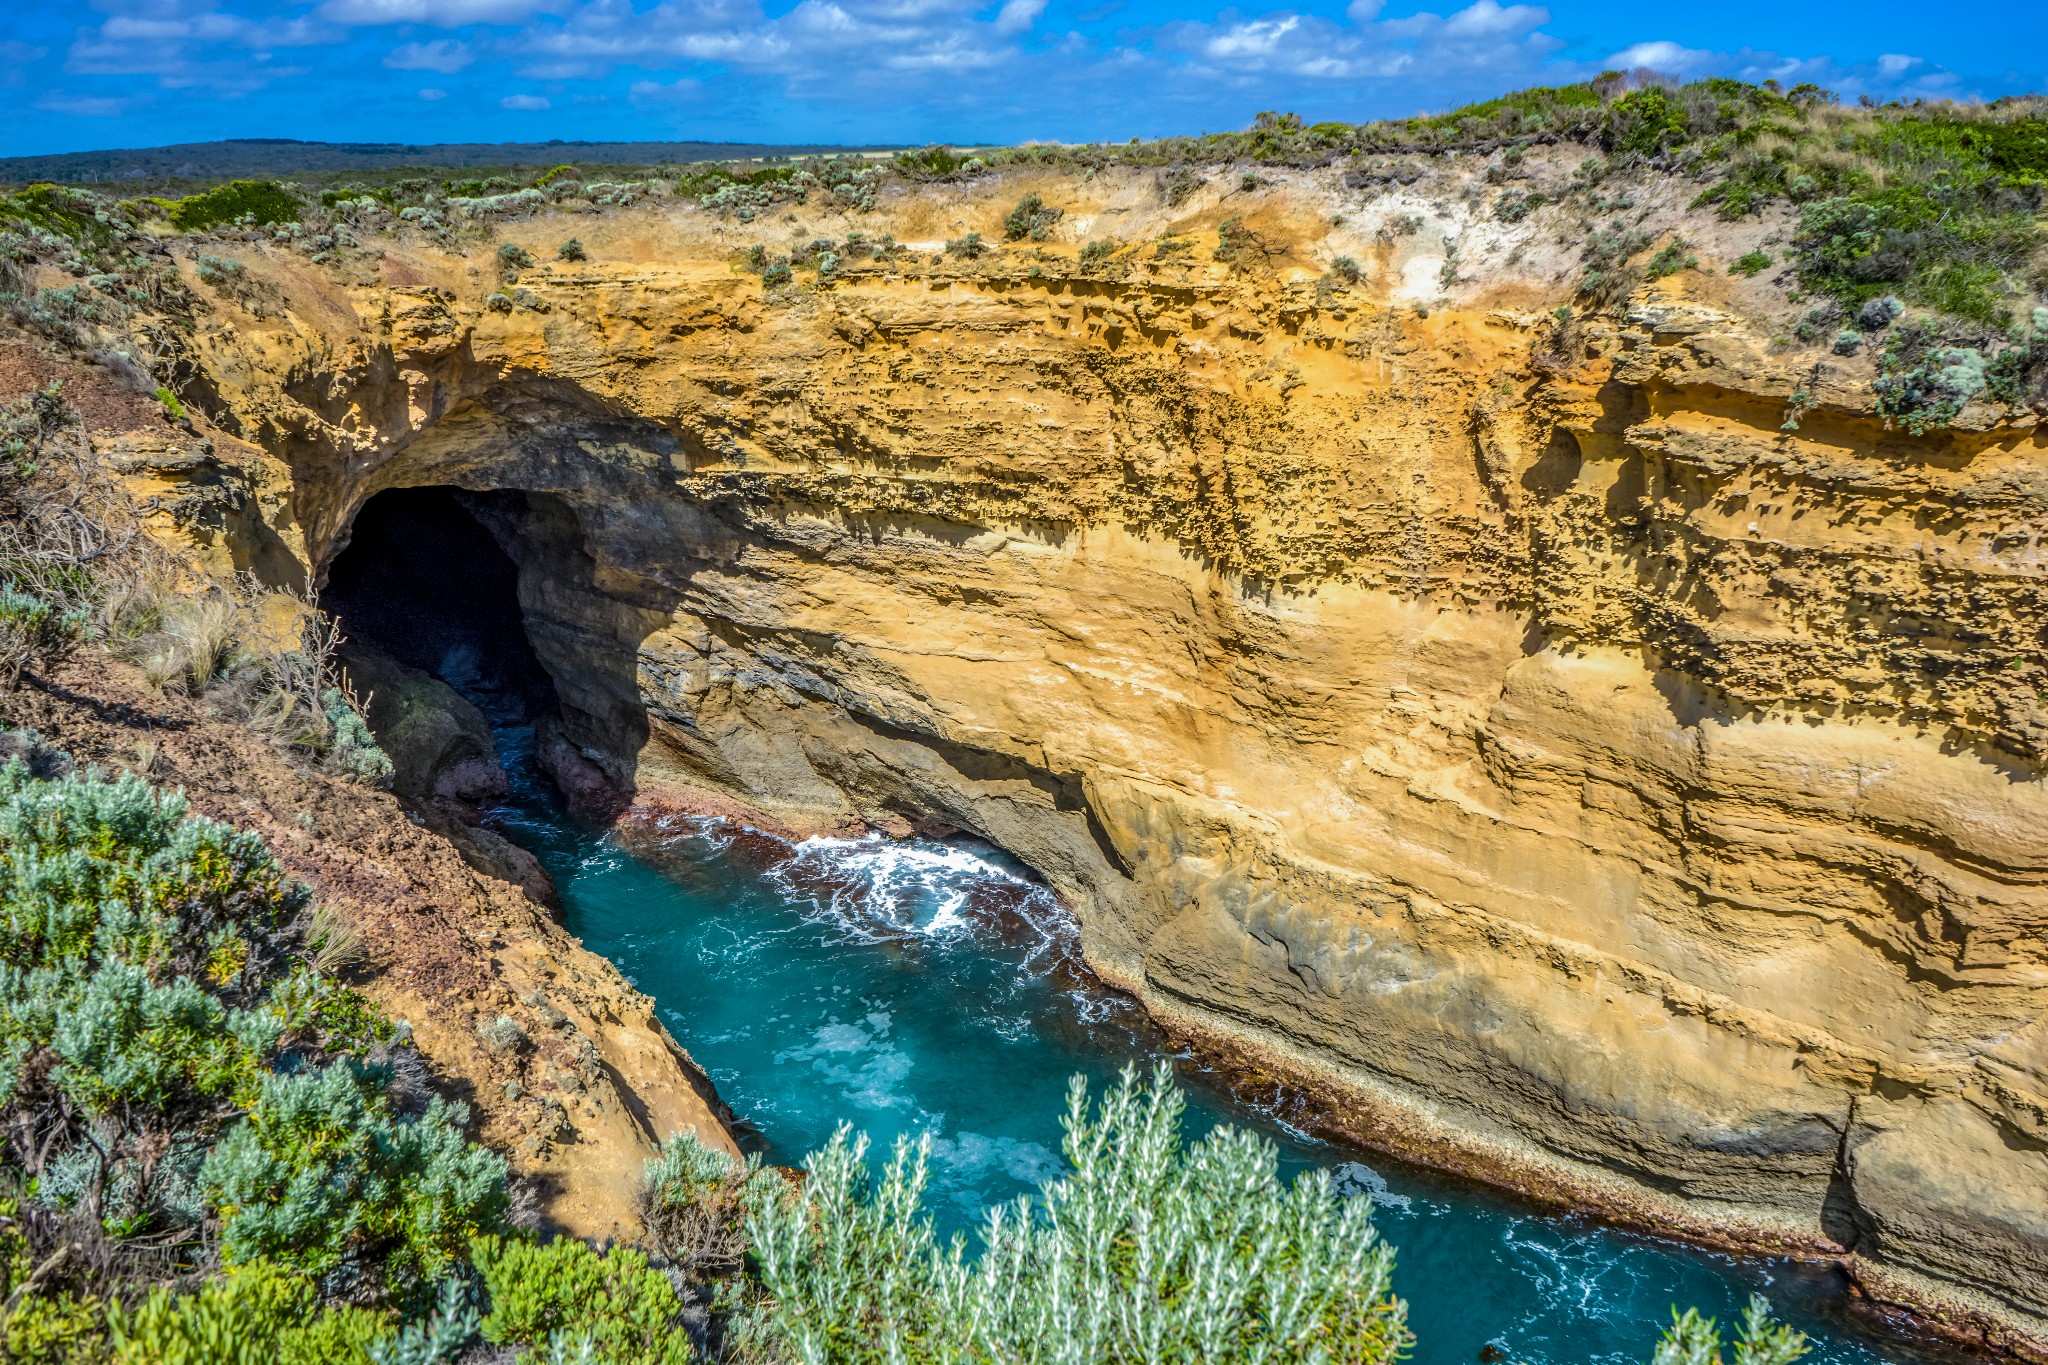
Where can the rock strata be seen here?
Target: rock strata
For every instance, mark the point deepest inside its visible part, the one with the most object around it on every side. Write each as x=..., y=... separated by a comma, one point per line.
x=1565, y=753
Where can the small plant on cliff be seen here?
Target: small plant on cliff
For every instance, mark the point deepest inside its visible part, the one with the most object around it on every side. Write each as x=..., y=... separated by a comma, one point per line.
x=513, y=258
x=1750, y=264
x=1032, y=218
x=1096, y=254
x=571, y=250
x=694, y=1202
x=1675, y=256
x=968, y=247
x=1239, y=246
x=36, y=632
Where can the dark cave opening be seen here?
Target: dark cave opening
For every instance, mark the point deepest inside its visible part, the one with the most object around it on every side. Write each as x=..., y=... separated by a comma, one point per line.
x=423, y=580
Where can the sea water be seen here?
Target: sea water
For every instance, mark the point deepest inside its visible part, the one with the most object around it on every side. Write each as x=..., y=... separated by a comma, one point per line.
x=919, y=986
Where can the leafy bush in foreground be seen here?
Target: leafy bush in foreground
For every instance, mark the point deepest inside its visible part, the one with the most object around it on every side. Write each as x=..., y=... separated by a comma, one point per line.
x=179, y=1084
x=322, y=1174
x=255, y=1315
x=565, y=1296
x=1148, y=1250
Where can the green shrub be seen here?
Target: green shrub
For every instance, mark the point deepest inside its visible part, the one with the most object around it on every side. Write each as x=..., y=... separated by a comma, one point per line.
x=1238, y=245
x=929, y=163
x=1923, y=383
x=1924, y=242
x=260, y=202
x=321, y=1173
x=693, y=1204
x=1096, y=254
x=257, y=1314
x=48, y=1324
x=36, y=631
x=545, y=1296
x=1695, y=1340
x=351, y=745
x=969, y=246
x=1032, y=218
x=220, y=270
x=1148, y=1250
x=1750, y=264
x=1345, y=270
x=1515, y=205
x=1676, y=255
x=173, y=409
x=1644, y=122
x=512, y=257
x=571, y=250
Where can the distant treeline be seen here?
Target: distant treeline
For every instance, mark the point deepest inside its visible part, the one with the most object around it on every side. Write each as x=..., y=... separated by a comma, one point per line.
x=288, y=157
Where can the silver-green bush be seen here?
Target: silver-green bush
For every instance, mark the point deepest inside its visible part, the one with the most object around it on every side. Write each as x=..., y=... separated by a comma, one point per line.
x=1148, y=1250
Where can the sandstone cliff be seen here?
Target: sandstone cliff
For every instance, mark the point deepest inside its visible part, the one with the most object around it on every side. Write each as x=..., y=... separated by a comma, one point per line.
x=1560, y=763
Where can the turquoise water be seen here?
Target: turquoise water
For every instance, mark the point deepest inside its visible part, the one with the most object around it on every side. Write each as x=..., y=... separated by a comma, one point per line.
x=927, y=986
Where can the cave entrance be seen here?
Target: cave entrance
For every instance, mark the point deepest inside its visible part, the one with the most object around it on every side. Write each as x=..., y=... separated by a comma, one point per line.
x=423, y=581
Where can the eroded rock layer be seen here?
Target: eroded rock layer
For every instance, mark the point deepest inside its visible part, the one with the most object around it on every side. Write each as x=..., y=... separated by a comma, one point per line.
x=1565, y=760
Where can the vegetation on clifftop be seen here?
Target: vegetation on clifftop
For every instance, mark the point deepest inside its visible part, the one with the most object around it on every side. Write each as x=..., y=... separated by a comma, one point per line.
x=1933, y=207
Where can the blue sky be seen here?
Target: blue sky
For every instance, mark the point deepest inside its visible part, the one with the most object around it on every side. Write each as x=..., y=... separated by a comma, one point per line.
x=129, y=73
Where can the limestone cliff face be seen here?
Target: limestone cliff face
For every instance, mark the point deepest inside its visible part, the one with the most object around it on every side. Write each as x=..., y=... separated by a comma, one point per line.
x=1564, y=764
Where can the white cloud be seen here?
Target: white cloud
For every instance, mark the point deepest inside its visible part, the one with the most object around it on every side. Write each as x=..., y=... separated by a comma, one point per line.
x=432, y=93
x=1896, y=64
x=444, y=55
x=1017, y=16
x=1486, y=19
x=83, y=106
x=434, y=13
x=1660, y=55
x=524, y=102
x=658, y=92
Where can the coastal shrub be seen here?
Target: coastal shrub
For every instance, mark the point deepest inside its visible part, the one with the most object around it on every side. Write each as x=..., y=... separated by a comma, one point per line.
x=512, y=257
x=1923, y=382
x=35, y=632
x=1147, y=1250
x=1240, y=246
x=969, y=246
x=322, y=1173
x=256, y=202
x=694, y=1201
x=219, y=271
x=933, y=162
x=1644, y=122
x=1178, y=185
x=571, y=250
x=1032, y=218
x=1096, y=254
x=1674, y=256
x=1750, y=264
x=1695, y=1340
x=1345, y=270
x=256, y=1314
x=502, y=1034
x=566, y=1296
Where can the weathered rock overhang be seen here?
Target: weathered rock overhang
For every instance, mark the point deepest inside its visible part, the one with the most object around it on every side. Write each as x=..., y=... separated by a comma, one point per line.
x=1575, y=764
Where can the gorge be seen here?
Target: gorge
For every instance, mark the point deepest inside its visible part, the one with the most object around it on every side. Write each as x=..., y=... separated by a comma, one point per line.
x=1604, y=760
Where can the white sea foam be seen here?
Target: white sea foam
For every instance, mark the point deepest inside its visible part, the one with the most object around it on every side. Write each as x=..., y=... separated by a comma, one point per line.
x=879, y=888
